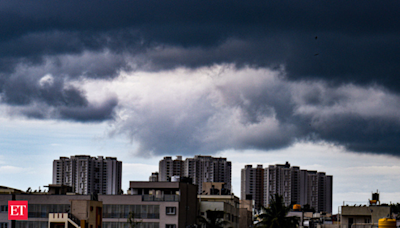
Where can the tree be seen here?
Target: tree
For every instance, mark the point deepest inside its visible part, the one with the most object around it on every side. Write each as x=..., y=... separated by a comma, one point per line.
x=215, y=219
x=132, y=222
x=275, y=216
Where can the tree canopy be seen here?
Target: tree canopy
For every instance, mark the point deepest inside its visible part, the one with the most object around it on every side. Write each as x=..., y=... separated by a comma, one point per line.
x=275, y=216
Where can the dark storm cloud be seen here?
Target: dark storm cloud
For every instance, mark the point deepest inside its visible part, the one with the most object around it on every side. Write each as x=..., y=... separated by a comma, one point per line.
x=318, y=47
x=356, y=42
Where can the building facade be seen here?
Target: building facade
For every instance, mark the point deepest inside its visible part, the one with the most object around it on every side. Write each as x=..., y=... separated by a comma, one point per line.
x=298, y=186
x=252, y=185
x=86, y=174
x=168, y=168
x=229, y=204
x=153, y=204
x=208, y=169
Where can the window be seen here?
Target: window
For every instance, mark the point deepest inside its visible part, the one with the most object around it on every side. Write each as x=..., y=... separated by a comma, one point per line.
x=3, y=224
x=170, y=226
x=3, y=208
x=170, y=210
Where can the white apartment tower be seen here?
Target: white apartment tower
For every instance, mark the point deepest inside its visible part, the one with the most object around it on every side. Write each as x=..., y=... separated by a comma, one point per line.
x=298, y=186
x=88, y=175
x=208, y=169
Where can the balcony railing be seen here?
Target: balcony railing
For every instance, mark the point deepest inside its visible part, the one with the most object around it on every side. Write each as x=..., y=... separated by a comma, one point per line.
x=170, y=198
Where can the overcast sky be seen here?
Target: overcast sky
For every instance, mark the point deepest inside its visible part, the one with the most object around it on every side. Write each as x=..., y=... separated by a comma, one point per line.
x=315, y=83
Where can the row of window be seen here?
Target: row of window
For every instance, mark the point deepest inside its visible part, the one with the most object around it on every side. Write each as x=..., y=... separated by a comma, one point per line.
x=109, y=210
x=3, y=224
x=126, y=225
x=139, y=211
x=42, y=210
x=31, y=224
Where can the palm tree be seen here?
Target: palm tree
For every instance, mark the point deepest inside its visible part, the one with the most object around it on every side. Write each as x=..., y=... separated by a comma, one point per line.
x=215, y=219
x=275, y=215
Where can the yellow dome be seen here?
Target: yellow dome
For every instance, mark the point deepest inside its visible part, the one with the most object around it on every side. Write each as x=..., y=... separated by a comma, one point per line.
x=387, y=223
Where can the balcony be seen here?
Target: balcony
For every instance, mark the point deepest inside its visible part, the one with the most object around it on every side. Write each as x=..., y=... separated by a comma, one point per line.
x=168, y=198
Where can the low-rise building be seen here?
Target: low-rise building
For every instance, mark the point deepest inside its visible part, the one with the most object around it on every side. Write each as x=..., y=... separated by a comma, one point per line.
x=246, y=213
x=229, y=204
x=363, y=214
x=154, y=204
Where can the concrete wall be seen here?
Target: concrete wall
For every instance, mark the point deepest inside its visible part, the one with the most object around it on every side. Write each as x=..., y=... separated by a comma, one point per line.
x=359, y=214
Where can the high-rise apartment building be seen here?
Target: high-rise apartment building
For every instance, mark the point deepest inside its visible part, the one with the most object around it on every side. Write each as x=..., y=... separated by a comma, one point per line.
x=86, y=174
x=298, y=186
x=208, y=169
x=252, y=185
x=168, y=168
x=316, y=190
x=283, y=180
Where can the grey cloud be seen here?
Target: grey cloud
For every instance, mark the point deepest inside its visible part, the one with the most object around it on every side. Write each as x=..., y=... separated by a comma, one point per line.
x=260, y=109
x=51, y=91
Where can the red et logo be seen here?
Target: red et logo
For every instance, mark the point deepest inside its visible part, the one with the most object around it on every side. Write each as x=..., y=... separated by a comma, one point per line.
x=17, y=210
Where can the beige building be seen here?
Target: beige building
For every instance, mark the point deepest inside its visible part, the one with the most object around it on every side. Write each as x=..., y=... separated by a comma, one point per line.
x=229, y=204
x=83, y=214
x=246, y=213
x=363, y=214
x=169, y=204
x=154, y=204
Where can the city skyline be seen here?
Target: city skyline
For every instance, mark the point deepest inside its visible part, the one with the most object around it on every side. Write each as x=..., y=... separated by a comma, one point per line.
x=354, y=192
x=314, y=83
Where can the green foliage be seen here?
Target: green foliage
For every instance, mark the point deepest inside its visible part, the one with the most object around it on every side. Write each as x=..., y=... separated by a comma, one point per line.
x=275, y=215
x=215, y=219
x=132, y=222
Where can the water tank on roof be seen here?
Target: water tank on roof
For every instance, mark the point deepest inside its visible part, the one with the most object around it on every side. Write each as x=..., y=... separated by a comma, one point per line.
x=375, y=196
x=175, y=179
x=387, y=223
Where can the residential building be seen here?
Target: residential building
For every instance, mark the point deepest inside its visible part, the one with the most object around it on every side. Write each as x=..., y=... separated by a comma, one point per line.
x=154, y=177
x=297, y=186
x=363, y=214
x=208, y=169
x=174, y=204
x=252, y=185
x=228, y=204
x=83, y=213
x=246, y=213
x=155, y=204
x=215, y=188
x=168, y=168
x=86, y=174
x=316, y=190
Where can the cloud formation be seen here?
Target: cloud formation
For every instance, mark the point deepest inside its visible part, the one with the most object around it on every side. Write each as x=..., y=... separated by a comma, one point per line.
x=219, y=108
x=307, y=70
x=337, y=41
